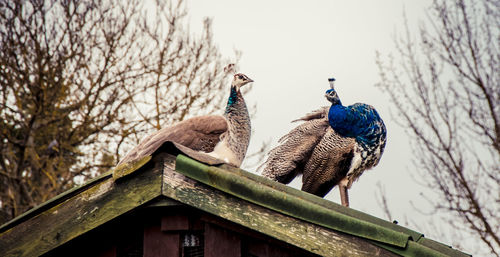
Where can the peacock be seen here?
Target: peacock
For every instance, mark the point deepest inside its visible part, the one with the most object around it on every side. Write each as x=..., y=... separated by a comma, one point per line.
x=333, y=146
x=225, y=137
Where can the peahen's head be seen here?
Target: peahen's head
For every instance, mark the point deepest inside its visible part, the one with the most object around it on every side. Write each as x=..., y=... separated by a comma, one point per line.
x=240, y=80
x=331, y=95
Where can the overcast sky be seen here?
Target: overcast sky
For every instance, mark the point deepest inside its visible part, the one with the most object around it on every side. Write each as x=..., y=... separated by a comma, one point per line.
x=290, y=48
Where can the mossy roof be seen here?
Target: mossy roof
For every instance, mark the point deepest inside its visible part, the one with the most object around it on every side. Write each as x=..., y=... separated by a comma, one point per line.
x=308, y=207
x=130, y=186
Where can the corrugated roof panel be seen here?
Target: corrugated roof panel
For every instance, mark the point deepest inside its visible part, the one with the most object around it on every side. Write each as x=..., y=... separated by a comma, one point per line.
x=289, y=204
x=327, y=204
x=302, y=205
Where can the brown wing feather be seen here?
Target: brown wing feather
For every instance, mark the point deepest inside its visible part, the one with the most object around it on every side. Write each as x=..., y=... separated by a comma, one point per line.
x=199, y=133
x=287, y=159
x=320, y=113
x=328, y=164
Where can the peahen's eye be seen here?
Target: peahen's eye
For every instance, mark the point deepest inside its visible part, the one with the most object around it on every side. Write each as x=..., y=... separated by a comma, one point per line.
x=240, y=77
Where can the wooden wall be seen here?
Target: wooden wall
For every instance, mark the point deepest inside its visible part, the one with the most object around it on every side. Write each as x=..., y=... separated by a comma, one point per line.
x=174, y=231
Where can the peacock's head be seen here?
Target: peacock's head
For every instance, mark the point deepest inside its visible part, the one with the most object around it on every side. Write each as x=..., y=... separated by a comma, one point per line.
x=331, y=94
x=240, y=80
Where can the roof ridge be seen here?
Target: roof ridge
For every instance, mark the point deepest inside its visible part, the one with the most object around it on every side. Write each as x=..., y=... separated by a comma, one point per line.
x=292, y=205
x=414, y=235
x=299, y=204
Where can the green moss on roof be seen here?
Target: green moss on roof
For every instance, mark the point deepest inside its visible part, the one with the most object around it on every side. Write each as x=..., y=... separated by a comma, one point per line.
x=78, y=211
x=117, y=173
x=316, y=210
x=53, y=201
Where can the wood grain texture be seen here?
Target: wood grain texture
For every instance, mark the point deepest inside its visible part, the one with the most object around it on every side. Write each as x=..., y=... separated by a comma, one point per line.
x=81, y=213
x=220, y=242
x=174, y=222
x=255, y=243
x=158, y=244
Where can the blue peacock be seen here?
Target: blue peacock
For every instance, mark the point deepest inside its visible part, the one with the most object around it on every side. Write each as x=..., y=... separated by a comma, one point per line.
x=334, y=146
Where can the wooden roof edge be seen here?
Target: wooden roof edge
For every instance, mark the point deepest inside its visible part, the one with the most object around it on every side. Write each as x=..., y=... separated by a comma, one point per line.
x=302, y=205
x=53, y=201
x=292, y=205
x=116, y=172
x=78, y=211
x=303, y=234
x=415, y=236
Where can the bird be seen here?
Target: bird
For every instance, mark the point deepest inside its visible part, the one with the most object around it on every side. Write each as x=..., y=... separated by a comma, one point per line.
x=225, y=137
x=333, y=146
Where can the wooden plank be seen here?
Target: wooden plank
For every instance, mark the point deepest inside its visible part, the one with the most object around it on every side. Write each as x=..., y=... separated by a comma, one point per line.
x=307, y=236
x=174, y=222
x=207, y=218
x=322, y=202
x=81, y=213
x=221, y=242
x=53, y=201
x=257, y=243
x=157, y=243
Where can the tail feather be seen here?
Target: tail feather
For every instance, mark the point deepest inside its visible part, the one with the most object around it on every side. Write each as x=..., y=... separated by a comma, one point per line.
x=286, y=160
x=328, y=164
x=321, y=113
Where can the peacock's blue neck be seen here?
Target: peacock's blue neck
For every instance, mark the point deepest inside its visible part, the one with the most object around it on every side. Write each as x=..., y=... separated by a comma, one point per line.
x=338, y=117
x=360, y=121
x=336, y=102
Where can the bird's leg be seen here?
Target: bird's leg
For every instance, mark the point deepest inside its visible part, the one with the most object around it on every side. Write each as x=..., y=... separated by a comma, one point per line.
x=344, y=197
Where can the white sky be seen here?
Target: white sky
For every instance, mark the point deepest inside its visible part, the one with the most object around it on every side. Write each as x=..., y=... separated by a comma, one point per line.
x=290, y=48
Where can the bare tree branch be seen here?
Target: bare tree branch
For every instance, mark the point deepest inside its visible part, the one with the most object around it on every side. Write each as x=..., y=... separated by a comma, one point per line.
x=94, y=77
x=446, y=92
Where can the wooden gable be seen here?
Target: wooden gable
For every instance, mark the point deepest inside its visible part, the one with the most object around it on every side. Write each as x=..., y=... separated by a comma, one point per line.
x=168, y=228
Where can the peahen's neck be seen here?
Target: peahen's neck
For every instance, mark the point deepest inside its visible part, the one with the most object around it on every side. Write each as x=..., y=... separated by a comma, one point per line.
x=236, y=113
x=233, y=98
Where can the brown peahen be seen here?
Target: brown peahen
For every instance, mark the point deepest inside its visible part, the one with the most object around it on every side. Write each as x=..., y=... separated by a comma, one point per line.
x=225, y=137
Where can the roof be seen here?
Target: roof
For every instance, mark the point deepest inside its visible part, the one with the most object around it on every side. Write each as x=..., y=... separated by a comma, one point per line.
x=308, y=207
x=295, y=217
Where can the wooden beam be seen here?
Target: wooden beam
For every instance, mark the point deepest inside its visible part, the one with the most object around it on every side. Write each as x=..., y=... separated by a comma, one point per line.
x=175, y=222
x=220, y=242
x=158, y=243
x=81, y=213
